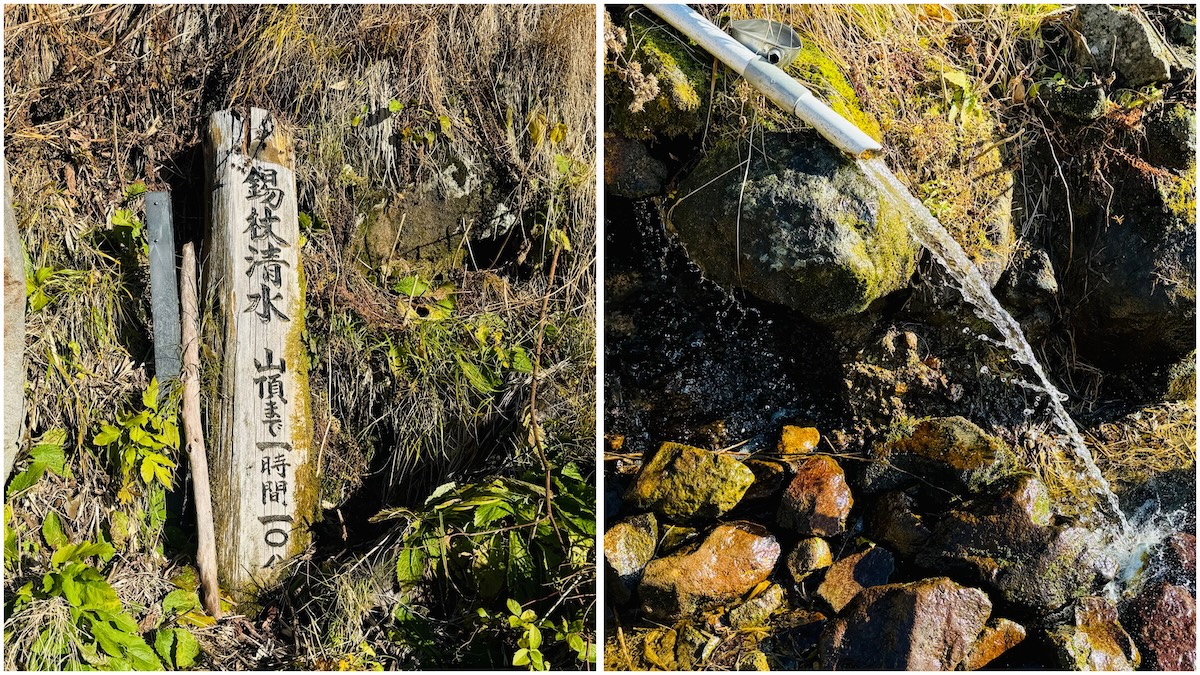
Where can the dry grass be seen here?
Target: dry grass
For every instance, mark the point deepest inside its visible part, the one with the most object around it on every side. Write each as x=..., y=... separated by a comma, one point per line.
x=100, y=97
x=1142, y=444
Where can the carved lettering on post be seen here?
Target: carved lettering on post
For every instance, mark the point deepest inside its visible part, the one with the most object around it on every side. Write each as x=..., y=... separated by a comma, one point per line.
x=264, y=487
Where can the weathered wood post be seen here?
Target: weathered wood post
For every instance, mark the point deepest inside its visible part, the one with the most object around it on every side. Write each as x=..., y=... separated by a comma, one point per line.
x=264, y=484
x=164, y=292
x=14, y=332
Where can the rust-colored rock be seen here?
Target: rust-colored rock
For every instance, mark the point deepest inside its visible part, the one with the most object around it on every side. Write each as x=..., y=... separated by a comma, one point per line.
x=731, y=561
x=1090, y=637
x=924, y=625
x=628, y=547
x=817, y=501
x=850, y=575
x=798, y=440
x=999, y=636
x=1163, y=622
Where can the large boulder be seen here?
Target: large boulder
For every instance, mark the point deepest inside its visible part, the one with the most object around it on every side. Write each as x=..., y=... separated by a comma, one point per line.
x=923, y=625
x=1089, y=637
x=817, y=501
x=1124, y=39
x=1008, y=543
x=1162, y=619
x=729, y=563
x=685, y=484
x=803, y=228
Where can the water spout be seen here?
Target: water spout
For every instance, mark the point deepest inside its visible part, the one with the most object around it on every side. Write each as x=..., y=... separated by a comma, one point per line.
x=931, y=235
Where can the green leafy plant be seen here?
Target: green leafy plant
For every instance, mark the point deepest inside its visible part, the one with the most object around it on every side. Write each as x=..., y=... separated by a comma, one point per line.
x=141, y=441
x=495, y=539
x=421, y=300
x=104, y=635
x=46, y=455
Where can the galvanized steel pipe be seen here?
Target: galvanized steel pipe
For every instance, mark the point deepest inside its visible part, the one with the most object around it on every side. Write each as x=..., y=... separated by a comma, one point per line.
x=775, y=84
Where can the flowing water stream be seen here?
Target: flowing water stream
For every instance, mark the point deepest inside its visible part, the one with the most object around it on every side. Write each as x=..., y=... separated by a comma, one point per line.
x=930, y=234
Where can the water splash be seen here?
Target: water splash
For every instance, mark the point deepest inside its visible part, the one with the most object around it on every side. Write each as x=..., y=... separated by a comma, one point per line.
x=929, y=233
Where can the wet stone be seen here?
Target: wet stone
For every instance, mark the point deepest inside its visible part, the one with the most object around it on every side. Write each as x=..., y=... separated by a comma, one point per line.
x=687, y=484
x=817, y=501
x=732, y=560
x=924, y=625
x=798, y=440
x=810, y=555
x=999, y=636
x=1162, y=620
x=942, y=450
x=628, y=547
x=894, y=522
x=757, y=610
x=847, y=577
x=769, y=477
x=1000, y=540
x=1090, y=637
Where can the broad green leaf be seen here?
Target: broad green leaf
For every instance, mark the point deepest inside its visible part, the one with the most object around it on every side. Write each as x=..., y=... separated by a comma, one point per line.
x=108, y=637
x=81, y=551
x=534, y=636
x=180, y=601
x=97, y=595
x=141, y=657
x=411, y=286
x=520, y=360
x=71, y=589
x=137, y=189
x=53, y=532
x=177, y=647
x=539, y=662
x=26, y=478
x=38, y=300
x=483, y=383
x=108, y=434
x=521, y=658
x=410, y=566
x=147, y=470
x=563, y=164
x=956, y=78
x=514, y=607
x=575, y=642
x=489, y=513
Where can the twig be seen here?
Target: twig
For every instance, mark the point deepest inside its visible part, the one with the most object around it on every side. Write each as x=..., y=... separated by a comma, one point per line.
x=533, y=423
x=206, y=549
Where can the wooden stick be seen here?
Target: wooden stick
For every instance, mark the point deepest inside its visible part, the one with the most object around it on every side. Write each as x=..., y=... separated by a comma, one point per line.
x=206, y=550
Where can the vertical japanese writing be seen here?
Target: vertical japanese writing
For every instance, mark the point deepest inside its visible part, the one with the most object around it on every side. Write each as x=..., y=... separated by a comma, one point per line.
x=265, y=267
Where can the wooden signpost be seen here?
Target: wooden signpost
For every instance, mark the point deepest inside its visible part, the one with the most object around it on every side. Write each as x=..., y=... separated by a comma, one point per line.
x=264, y=484
x=14, y=333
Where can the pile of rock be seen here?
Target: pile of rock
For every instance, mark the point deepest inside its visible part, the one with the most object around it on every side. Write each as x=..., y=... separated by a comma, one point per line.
x=935, y=551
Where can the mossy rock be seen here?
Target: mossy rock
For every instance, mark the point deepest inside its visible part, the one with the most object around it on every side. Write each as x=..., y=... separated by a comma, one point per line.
x=950, y=451
x=816, y=70
x=681, y=104
x=811, y=230
x=687, y=484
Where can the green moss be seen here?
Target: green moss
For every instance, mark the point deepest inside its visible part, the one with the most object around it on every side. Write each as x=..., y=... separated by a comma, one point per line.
x=681, y=106
x=819, y=72
x=1179, y=195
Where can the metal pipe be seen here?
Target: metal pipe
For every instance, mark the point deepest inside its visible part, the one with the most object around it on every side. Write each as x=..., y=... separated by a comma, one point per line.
x=777, y=85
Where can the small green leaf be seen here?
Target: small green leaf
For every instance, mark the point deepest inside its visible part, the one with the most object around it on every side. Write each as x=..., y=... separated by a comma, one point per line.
x=108, y=434
x=53, y=532
x=534, y=636
x=484, y=383
x=411, y=286
x=26, y=479
x=81, y=551
x=395, y=106
x=444, y=124
x=521, y=658
x=150, y=396
x=136, y=190
x=514, y=607
x=558, y=134
x=177, y=647
x=520, y=360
